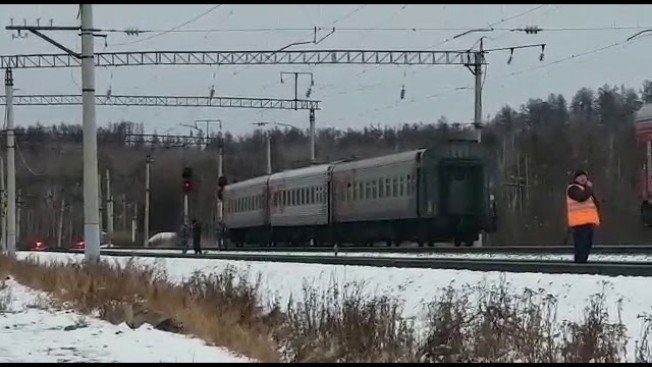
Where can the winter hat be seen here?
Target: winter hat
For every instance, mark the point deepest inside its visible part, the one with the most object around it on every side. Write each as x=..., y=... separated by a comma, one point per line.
x=578, y=173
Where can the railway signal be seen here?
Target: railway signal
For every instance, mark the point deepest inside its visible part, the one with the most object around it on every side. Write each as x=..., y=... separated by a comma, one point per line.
x=186, y=175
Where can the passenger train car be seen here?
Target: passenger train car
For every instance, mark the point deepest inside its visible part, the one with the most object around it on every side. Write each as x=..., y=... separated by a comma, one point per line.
x=424, y=195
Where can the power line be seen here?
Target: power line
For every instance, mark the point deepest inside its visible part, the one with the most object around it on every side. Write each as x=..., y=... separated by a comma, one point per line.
x=173, y=28
x=466, y=29
x=571, y=57
x=496, y=23
x=134, y=31
x=347, y=15
x=458, y=89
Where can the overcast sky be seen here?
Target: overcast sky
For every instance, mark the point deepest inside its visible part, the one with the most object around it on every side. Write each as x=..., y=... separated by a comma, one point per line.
x=352, y=96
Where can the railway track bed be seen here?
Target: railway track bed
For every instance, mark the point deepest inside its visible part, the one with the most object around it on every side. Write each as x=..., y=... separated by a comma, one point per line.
x=607, y=268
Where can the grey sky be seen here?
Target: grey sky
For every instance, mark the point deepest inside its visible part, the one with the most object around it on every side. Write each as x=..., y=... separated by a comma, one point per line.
x=352, y=95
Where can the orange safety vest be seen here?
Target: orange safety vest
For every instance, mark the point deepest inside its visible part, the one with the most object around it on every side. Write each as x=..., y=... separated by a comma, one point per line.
x=580, y=213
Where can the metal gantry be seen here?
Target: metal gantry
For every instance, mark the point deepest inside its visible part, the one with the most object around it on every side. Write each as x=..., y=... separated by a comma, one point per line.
x=297, y=57
x=164, y=101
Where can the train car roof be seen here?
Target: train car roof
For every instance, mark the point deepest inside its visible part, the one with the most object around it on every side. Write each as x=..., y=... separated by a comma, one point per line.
x=301, y=172
x=250, y=182
x=644, y=114
x=379, y=161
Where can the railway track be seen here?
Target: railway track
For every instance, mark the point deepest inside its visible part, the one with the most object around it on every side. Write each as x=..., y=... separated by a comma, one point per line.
x=503, y=265
x=529, y=249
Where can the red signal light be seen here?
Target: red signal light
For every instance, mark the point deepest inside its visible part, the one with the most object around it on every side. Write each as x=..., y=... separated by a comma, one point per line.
x=187, y=186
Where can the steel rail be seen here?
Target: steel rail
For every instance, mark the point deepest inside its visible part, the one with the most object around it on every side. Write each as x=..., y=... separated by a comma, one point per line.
x=528, y=249
x=513, y=266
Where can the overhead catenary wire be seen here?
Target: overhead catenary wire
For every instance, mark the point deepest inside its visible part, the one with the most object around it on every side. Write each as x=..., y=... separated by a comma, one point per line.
x=377, y=29
x=22, y=158
x=193, y=19
x=502, y=77
x=448, y=40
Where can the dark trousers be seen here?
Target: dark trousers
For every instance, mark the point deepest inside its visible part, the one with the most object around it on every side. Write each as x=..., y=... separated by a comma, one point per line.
x=196, y=244
x=583, y=241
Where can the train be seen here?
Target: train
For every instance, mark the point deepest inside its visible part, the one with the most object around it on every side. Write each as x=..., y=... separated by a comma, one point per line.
x=438, y=194
x=643, y=131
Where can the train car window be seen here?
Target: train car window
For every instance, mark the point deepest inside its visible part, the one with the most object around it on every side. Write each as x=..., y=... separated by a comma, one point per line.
x=388, y=187
x=408, y=186
x=303, y=196
x=312, y=195
x=401, y=186
x=374, y=189
x=361, y=187
x=381, y=188
x=367, y=190
x=414, y=184
x=349, y=192
x=394, y=186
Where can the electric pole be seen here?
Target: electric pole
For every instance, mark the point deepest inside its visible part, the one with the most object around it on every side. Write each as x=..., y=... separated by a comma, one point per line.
x=148, y=162
x=312, y=111
x=3, y=209
x=134, y=224
x=312, y=136
x=11, y=166
x=91, y=194
x=100, y=207
x=19, y=206
x=61, y=212
x=109, y=207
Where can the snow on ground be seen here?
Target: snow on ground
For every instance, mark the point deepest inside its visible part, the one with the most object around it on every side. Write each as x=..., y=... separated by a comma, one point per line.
x=431, y=255
x=33, y=332
x=416, y=287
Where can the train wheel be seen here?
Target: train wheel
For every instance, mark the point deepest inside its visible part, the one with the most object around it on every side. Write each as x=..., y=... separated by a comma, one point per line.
x=458, y=242
x=420, y=243
x=431, y=244
x=389, y=243
x=468, y=243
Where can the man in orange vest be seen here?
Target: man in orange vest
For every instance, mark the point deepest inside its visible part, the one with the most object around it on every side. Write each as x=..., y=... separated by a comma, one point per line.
x=583, y=214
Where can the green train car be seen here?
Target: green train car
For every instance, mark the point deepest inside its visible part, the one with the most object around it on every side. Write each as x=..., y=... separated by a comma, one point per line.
x=425, y=196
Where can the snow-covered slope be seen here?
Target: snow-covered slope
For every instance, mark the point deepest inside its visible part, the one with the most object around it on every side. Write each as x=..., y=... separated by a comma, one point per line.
x=30, y=331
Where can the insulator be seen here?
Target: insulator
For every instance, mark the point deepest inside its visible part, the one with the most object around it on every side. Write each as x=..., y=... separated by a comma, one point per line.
x=403, y=92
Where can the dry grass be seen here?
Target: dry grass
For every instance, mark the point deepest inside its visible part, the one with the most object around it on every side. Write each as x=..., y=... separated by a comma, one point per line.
x=203, y=307
x=345, y=327
x=341, y=325
x=503, y=327
x=5, y=296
